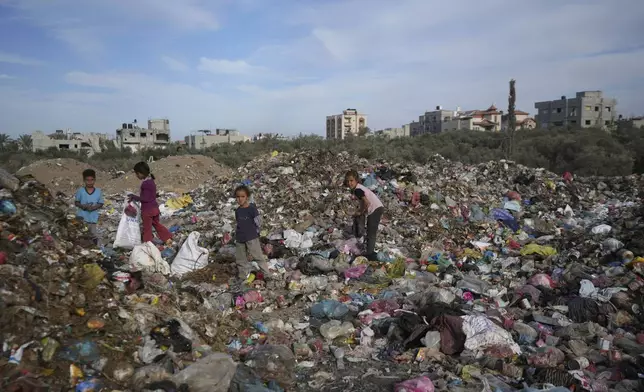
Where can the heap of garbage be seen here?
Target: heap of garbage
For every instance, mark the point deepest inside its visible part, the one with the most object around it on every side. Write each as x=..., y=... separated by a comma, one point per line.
x=489, y=277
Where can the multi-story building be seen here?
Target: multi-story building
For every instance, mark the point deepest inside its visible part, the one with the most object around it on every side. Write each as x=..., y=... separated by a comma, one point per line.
x=157, y=134
x=340, y=126
x=205, y=138
x=587, y=109
x=91, y=143
x=432, y=122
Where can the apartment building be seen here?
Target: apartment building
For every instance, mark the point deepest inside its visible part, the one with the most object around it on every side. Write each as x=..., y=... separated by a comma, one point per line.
x=339, y=126
x=587, y=109
x=206, y=138
x=131, y=136
x=392, y=133
x=432, y=121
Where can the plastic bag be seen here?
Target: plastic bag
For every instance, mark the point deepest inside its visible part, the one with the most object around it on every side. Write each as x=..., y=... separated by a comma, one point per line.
x=128, y=234
x=419, y=384
x=329, y=308
x=190, y=257
x=146, y=257
x=273, y=363
x=209, y=374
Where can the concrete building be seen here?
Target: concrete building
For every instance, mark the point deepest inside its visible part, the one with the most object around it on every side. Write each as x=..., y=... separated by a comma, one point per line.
x=475, y=120
x=391, y=133
x=415, y=129
x=131, y=136
x=349, y=122
x=524, y=121
x=205, y=138
x=587, y=109
x=91, y=143
x=432, y=122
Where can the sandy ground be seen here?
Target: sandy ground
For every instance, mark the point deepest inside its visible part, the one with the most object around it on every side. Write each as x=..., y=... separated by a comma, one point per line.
x=174, y=174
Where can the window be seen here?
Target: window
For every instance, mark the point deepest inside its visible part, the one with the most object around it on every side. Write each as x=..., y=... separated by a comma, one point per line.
x=587, y=107
x=596, y=108
x=587, y=122
x=558, y=110
x=607, y=122
x=573, y=121
x=132, y=134
x=608, y=108
x=143, y=134
x=573, y=112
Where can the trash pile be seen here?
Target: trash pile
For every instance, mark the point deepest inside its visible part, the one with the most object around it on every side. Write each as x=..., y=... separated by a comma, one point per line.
x=493, y=277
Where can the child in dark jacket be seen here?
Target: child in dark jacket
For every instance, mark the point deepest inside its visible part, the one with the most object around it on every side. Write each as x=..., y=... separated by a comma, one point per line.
x=247, y=235
x=149, y=207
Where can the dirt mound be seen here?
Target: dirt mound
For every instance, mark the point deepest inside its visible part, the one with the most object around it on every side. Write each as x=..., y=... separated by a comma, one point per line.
x=60, y=175
x=173, y=174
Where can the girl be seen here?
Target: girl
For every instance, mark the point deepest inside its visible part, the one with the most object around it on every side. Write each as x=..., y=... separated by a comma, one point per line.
x=149, y=206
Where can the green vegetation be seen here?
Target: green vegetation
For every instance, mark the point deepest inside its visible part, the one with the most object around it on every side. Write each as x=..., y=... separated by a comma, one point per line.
x=583, y=152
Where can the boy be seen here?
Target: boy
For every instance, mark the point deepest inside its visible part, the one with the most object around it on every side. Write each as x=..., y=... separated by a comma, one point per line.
x=89, y=200
x=247, y=235
x=370, y=207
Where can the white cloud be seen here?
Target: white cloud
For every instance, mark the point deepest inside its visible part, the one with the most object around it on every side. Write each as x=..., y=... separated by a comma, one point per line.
x=5, y=76
x=11, y=58
x=392, y=60
x=174, y=64
x=229, y=67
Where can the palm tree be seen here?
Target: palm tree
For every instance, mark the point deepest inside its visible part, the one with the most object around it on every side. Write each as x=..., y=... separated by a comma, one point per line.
x=25, y=142
x=4, y=141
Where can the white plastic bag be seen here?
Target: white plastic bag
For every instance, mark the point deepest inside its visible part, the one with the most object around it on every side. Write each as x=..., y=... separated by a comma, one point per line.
x=128, y=234
x=190, y=257
x=146, y=257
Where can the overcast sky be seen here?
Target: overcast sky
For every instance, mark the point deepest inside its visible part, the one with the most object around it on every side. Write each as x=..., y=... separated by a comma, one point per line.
x=283, y=65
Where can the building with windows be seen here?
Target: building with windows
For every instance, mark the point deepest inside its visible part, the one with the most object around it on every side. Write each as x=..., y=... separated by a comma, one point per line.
x=90, y=143
x=339, y=126
x=587, y=109
x=206, y=138
x=131, y=136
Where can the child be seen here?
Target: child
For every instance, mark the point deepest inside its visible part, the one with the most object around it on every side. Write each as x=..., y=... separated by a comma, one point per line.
x=370, y=207
x=247, y=234
x=89, y=200
x=149, y=206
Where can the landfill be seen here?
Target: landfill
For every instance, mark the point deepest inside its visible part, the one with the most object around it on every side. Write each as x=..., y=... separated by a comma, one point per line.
x=491, y=277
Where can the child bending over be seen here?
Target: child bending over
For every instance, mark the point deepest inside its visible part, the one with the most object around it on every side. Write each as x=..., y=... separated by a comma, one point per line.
x=371, y=209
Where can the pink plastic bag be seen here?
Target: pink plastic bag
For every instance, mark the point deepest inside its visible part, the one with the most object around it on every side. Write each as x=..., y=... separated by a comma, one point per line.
x=355, y=272
x=384, y=306
x=419, y=384
x=542, y=280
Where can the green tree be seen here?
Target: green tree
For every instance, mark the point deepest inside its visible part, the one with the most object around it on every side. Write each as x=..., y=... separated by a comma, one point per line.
x=25, y=142
x=4, y=141
x=364, y=131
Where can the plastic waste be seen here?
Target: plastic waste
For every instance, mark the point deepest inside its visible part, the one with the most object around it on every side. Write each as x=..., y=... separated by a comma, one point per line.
x=212, y=373
x=432, y=340
x=191, y=256
x=146, y=257
x=384, y=306
x=273, y=363
x=335, y=328
x=128, y=234
x=419, y=384
x=330, y=309
x=84, y=352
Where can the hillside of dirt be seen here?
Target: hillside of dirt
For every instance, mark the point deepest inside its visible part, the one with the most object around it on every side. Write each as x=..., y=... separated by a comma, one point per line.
x=60, y=175
x=174, y=174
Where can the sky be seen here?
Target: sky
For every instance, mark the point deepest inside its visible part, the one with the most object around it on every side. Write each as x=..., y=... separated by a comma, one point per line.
x=284, y=65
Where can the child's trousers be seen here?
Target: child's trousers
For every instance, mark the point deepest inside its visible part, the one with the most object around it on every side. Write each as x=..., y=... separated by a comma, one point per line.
x=373, y=221
x=245, y=252
x=151, y=220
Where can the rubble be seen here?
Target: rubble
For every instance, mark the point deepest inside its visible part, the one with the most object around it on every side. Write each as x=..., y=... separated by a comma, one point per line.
x=489, y=277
